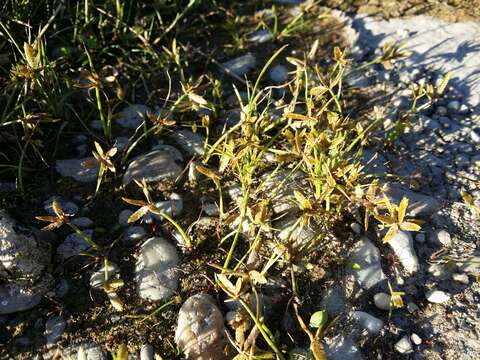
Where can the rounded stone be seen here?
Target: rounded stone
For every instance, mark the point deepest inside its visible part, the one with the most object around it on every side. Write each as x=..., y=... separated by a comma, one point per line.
x=382, y=301
x=200, y=329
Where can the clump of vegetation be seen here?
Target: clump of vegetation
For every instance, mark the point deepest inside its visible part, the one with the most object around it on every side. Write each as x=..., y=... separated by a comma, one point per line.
x=299, y=143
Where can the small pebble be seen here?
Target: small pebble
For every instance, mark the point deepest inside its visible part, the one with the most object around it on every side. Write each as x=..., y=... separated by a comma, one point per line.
x=461, y=278
x=412, y=307
x=147, y=352
x=404, y=345
x=382, y=301
x=417, y=340
x=475, y=137
x=437, y=296
x=420, y=237
x=357, y=229
x=442, y=237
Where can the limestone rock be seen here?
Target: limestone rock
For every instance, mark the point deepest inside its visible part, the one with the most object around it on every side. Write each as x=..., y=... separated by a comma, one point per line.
x=200, y=329
x=155, y=166
x=156, y=272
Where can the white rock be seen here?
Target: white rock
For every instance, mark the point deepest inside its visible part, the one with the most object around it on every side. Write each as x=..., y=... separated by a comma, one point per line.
x=382, y=301
x=157, y=165
x=402, y=246
x=437, y=296
x=441, y=237
x=200, y=329
x=147, y=353
x=22, y=255
x=404, y=345
x=417, y=340
x=156, y=272
x=366, y=257
x=368, y=322
x=76, y=169
x=461, y=278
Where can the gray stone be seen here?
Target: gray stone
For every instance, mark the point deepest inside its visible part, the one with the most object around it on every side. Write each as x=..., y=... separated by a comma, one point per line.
x=156, y=272
x=419, y=205
x=402, y=246
x=454, y=105
x=76, y=168
x=147, y=353
x=383, y=301
x=420, y=237
x=22, y=255
x=61, y=288
x=342, y=348
x=82, y=222
x=441, y=237
x=366, y=255
x=133, y=234
x=437, y=296
x=123, y=217
x=54, y=329
x=373, y=162
x=100, y=276
x=241, y=65
x=357, y=229
x=15, y=298
x=68, y=207
x=260, y=36
x=368, y=322
x=74, y=244
x=412, y=307
x=172, y=207
x=211, y=209
x=200, y=329
x=120, y=142
x=190, y=142
x=278, y=74
x=334, y=301
x=133, y=116
x=174, y=153
x=404, y=345
x=154, y=166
